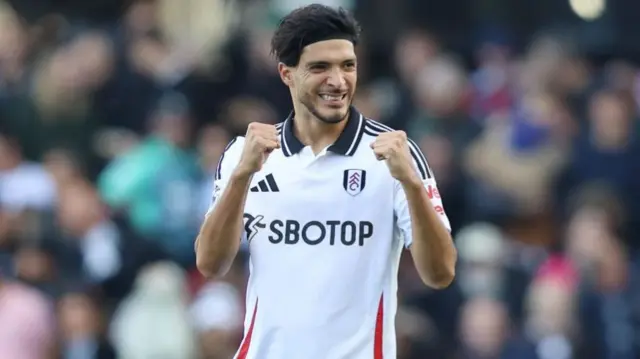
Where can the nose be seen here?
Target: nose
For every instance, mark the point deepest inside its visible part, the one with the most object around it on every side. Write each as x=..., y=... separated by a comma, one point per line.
x=336, y=79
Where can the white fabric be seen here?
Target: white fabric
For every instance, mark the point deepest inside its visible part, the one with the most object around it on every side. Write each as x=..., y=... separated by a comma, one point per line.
x=153, y=320
x=27, y=186
x=100, y=252
x=322, y=290
x=217, y=307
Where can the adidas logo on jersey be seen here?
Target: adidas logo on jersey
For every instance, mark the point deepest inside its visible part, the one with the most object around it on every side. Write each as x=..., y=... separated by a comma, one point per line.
x=268, y=184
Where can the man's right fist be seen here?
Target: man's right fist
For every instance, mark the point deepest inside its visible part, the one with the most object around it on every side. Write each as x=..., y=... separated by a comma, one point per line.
x=261, y=139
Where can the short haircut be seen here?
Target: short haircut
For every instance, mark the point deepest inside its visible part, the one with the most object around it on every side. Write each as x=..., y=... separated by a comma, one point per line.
x=309, y=24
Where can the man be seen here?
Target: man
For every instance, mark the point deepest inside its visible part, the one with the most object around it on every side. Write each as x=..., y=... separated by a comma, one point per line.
x=328, y=199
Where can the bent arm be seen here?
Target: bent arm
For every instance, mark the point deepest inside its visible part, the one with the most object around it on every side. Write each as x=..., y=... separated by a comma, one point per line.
x=433, y=251
x=222, y=230
x=219, y=239
x=423, y=222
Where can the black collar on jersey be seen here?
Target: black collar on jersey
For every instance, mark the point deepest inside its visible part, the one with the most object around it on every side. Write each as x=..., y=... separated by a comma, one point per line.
x=347, y=142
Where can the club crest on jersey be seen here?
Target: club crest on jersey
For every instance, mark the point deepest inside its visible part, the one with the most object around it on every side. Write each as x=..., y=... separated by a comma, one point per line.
x=354, y=181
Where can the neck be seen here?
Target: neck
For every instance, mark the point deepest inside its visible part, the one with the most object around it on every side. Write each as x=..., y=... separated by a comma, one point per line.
x=315, y=133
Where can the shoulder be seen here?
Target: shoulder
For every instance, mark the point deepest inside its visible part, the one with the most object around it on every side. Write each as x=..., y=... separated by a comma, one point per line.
x=230, y=156
x=233, y=149
x=234, y=145
x=374, y=128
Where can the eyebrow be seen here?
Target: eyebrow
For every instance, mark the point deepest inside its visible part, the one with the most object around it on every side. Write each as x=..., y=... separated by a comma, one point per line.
x=316, y=63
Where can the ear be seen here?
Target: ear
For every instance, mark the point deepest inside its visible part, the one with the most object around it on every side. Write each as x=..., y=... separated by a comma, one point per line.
x=286, y=74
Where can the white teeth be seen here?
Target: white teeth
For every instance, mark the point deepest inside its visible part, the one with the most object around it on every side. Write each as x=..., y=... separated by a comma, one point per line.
x=330, y=97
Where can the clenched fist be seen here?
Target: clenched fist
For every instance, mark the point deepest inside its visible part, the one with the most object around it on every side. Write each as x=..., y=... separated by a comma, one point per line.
x=261, y=139
x=392, y=147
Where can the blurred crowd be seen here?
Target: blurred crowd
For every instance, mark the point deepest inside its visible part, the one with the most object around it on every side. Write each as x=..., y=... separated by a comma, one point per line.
x=110, y=131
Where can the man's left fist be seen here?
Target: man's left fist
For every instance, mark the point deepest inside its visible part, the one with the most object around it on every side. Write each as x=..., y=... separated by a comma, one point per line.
x=392, y=147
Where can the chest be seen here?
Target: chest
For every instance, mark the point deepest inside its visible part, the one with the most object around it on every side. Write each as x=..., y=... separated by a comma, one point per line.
x=336, y=209
x=326, y=186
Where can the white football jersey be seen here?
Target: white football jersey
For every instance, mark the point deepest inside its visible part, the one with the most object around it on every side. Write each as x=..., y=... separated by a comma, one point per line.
x=325, y=233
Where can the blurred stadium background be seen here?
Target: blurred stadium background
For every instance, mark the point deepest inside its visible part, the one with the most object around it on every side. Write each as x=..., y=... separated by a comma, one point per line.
x=113, y=115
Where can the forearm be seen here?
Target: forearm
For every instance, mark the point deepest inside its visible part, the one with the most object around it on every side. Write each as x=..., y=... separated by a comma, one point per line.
x=219, y=239
x=433, y=251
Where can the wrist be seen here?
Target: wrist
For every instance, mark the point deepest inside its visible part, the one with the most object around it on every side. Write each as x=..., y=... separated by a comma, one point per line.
x=412, y=182
x=241, y=175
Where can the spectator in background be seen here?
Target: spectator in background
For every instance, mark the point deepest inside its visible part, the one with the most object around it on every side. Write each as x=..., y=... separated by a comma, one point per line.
x=107, y=253
x=486, y=268
x=36, y=264
x=63, y=166
x=27, y=194
x=412, y=52
x=24, y=185
x=486, y=333
x=608, y=290
x=415, y=335
x=82, y=328
x=14, y=48
x=492, y=82
x=574, y=81
x=516, y=159
x=607, y=152
x=483, y=256
x=58, y=113
x=154, y=184
x=550, y=319
x=440, y=123
x=27, y=327
x=153, y=321
x=440, y=89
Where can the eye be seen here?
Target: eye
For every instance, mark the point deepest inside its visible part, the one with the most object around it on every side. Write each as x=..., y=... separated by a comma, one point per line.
x=317, y=68
x=350, y=66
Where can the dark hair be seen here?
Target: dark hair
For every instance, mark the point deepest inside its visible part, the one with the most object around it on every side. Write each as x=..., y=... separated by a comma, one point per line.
x=309, y=24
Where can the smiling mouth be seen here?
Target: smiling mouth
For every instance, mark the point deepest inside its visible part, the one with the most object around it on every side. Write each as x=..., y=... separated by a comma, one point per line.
x=333, y=97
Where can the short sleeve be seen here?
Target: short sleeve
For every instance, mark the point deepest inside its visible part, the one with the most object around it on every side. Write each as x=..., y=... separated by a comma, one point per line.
x=401, y=207
x=226, y=165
